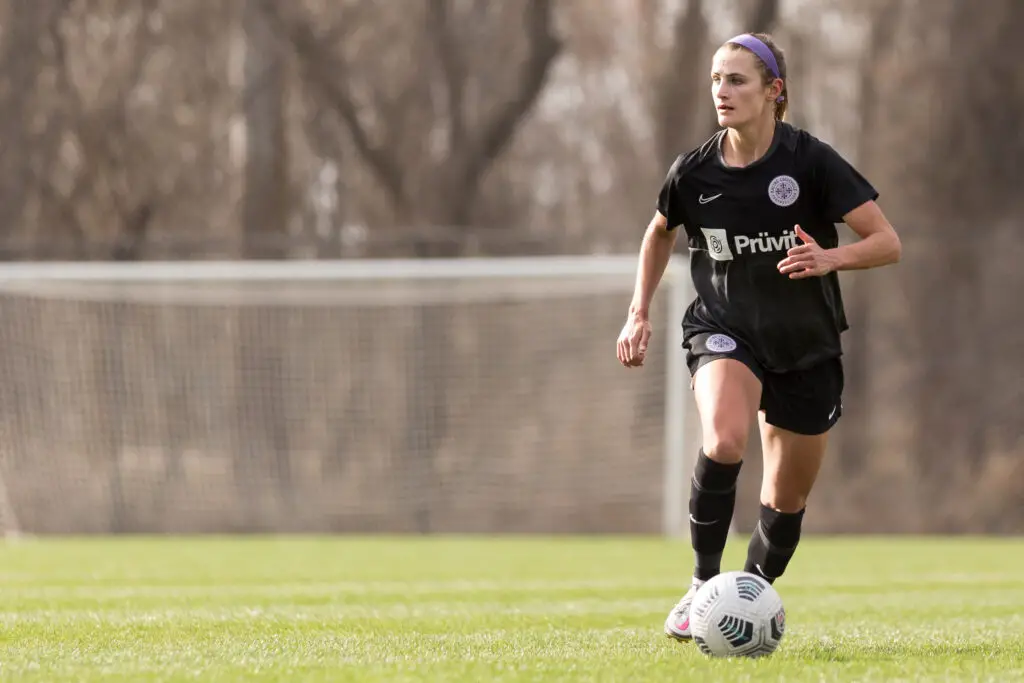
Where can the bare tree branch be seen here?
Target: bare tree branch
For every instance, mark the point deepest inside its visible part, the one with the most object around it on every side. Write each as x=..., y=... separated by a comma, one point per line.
x=675, y=111
x=471, y=153
x=497, y=132
x=330, y=75
x=27, y=152
x=452, y=64
x=265, y=202
x=326, y=72
x=103, y=133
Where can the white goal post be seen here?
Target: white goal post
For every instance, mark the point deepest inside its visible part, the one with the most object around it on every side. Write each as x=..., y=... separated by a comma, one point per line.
x=428, y=395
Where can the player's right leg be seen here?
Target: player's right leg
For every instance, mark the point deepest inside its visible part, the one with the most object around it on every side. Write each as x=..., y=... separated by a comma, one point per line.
x=728, y=393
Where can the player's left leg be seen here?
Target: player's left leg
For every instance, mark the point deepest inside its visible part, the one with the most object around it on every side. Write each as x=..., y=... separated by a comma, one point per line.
x=798, y=410
x=791, y=465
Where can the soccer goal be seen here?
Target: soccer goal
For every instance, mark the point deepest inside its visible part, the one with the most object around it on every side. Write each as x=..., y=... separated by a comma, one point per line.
x=431, y=396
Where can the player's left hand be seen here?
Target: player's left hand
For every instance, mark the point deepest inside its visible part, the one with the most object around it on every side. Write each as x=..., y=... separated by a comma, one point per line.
x=807, y=259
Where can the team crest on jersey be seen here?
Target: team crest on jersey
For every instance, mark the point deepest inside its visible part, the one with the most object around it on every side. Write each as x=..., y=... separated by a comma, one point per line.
x=783, y=190
x=720, y=343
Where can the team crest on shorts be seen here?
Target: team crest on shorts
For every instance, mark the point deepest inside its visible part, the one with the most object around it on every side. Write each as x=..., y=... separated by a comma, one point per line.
x=783, y=190
x=720, y=343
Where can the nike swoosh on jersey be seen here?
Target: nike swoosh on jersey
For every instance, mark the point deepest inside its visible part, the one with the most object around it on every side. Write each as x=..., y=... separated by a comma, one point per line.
x=704, y=200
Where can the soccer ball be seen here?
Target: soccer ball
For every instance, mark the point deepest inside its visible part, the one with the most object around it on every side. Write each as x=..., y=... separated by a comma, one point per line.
x=737, y=614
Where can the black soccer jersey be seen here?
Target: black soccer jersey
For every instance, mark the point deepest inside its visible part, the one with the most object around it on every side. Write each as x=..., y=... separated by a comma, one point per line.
x=739, y=224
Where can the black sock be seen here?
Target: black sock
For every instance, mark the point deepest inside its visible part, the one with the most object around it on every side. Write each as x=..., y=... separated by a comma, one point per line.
x=712, y=499
x=773, y=543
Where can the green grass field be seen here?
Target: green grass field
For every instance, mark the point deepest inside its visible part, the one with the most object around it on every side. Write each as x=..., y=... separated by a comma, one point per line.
x=491, y=609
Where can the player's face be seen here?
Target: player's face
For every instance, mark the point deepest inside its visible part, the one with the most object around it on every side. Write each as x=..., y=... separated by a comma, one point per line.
x=740, y=95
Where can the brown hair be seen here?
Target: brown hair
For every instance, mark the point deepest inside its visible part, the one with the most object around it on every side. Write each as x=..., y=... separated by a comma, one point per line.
x=766, y=75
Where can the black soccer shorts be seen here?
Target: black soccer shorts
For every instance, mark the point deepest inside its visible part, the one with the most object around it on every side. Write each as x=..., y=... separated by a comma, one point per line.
x=803, y=401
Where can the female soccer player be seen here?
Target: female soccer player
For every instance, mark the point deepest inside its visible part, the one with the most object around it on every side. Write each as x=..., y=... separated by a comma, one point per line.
x=759, y=202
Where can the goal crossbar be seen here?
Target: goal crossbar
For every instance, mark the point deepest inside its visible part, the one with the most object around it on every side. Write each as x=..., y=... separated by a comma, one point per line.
x=356, y=269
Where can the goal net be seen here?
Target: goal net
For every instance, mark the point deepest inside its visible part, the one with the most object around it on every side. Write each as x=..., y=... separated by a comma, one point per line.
x=431, y=396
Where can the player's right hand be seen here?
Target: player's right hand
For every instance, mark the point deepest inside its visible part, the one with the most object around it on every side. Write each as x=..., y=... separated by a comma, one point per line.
x=632, y=345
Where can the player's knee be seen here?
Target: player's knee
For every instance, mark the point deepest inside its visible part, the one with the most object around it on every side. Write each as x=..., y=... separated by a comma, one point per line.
x=788, y=502
x=726, y=445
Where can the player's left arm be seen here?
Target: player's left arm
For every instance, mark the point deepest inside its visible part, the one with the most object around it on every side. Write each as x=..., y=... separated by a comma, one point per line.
x=879, y=245
x=842, y=193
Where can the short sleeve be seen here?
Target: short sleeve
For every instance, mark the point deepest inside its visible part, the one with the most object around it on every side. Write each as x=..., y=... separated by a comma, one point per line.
x=840, y=187
x=670, y=199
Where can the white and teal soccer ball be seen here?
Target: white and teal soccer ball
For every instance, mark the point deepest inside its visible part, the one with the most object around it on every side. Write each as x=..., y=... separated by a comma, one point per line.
x=737, y=614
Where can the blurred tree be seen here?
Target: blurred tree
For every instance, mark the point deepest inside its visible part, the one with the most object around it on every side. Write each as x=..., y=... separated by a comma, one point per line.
x=940, y=108
x=266, y=209
x=970, y=169
x=881, y=18
x=677, y=76
x=27, y=147
x=429, y=104
x=762, y=16
x=261, y=414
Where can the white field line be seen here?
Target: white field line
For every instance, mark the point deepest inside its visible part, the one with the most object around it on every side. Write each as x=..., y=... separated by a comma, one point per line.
x=270, y=653
x=331, y=613
x=25, y=586
x=105, y=590
x=838, y=606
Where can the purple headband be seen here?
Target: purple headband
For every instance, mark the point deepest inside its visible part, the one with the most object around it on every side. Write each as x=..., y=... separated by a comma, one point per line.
x=764, y=53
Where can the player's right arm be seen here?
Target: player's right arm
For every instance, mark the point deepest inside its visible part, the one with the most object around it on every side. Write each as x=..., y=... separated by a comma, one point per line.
x=655, y=252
